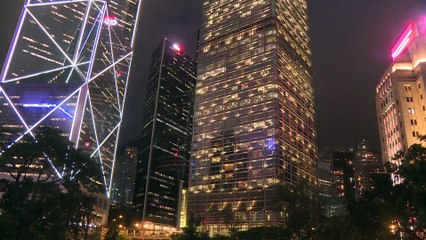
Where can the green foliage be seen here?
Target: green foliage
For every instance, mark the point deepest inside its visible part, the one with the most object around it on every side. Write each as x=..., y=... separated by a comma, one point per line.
x=38, y=204
x=381, y=214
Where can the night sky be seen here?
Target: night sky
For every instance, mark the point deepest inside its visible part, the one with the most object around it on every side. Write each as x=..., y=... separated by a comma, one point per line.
x=351, y=40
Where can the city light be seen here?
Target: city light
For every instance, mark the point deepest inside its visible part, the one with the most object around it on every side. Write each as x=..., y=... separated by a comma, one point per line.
x=110, y=21
x=177, y=47
x=47, y=60
x=403, y=41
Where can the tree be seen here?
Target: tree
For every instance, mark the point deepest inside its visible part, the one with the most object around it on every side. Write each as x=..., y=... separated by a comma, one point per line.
x=299, y=206
x=47, y=196
x=388, y=210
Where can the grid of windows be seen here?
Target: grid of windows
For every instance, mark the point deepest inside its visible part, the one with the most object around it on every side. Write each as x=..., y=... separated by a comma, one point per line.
x=254, y=113
x=399, y=98
x=162, y=171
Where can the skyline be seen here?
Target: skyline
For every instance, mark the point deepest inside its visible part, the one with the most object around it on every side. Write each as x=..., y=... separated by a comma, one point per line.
x=366, y=31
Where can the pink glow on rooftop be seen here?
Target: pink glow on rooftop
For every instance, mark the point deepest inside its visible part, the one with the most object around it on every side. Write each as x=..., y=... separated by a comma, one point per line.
x=403, y=41
x=424, y=22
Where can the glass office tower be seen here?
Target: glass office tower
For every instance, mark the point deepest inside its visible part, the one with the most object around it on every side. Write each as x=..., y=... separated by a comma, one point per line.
x=68, y=68
x=162, y=173
x=254, y=114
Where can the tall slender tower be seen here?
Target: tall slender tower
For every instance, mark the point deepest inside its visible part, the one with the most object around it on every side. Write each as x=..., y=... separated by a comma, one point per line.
x=401, y=93
x=68, y=68
x=162, y=171
x=254, y=126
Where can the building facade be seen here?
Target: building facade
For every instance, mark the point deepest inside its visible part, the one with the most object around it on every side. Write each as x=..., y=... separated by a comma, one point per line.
x=366, y=164
x=123, y=183
x=400, y=95
x=254, y=114
x=162, y=169
x=336, y=182
x=68, y=68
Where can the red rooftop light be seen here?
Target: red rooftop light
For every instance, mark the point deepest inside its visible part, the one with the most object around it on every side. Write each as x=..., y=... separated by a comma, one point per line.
x=110, y=20
x=177, y=47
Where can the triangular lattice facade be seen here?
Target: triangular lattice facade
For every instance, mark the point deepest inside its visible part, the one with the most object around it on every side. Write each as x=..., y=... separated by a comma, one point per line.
x=68, y=68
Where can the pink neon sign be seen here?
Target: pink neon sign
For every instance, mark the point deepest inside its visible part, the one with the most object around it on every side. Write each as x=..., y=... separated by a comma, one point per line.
x=424, y=22
x=403, y=41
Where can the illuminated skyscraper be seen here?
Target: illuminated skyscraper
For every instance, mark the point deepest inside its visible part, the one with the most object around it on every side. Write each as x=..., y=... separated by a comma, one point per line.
x=401, y=93
x=254, y=114
x=68, y=68
x=162, y=172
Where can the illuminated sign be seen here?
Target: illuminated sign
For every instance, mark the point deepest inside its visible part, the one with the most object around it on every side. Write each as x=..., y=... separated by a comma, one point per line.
x=403, y=41
x=424, y=21
x=39, y=105
x=47, y=105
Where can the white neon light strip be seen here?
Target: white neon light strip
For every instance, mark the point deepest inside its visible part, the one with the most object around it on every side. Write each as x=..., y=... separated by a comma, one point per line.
x=50, y=37
x=127, y=84
x=111, y=177
x=88, y=76
x=83, y=29
x=36, y=74
x=41, y=73
x=96, y=136
x=95, y=46
x=15, y=42
x=132, y=44
x=103, y=142
x=115, y=70
x=16, y=111
x=53, y=3
x=53, y=166
x=92, y=57
x=109, y=67
x=90, y=33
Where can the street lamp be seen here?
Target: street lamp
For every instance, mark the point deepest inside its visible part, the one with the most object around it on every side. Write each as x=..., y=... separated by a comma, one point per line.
x=392, y=228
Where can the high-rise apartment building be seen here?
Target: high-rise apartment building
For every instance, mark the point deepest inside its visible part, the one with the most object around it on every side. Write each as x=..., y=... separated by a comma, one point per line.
x=68, y=68
x=162, y=170
x=254, y=112
x=401, y=93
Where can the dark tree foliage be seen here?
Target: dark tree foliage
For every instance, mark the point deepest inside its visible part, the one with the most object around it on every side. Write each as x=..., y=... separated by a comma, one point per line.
x=43, y=202
x=389, y=210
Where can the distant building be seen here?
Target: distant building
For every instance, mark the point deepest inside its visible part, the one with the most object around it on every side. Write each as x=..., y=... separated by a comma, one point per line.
x=366, y=164
x=123, y=183
x=335, y=181
x=401, y=93
x=163, y=162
